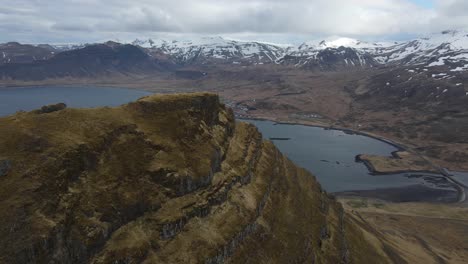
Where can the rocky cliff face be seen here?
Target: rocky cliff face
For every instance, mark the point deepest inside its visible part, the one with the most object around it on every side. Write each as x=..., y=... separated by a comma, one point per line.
x=165, y=179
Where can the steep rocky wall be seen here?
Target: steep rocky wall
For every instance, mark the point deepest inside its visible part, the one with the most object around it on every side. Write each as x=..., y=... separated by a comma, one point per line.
x=166, y=179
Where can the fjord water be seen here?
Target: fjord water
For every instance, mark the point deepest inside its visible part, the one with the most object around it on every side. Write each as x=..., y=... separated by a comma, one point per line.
x=30, y=98
x=330, y=155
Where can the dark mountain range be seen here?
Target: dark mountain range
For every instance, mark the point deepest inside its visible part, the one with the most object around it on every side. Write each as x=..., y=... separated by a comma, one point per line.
x=445, y=53
x=92, y=61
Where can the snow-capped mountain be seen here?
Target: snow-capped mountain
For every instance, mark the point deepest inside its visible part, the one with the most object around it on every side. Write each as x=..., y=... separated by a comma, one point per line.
x=325, y=55
x=68, y=46
x=342, y=42
x=216, y=49
x=346, y=52
x=448, y=48
x=329, y=58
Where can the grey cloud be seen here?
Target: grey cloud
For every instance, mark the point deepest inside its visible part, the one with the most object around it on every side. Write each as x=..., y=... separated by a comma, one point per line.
x=452, y=14
x=90, y=20
x=149, y=19
x=14, y=10
x=453, y=8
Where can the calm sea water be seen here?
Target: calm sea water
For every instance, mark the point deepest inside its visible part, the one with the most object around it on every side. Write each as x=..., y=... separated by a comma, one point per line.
x=30, y=98
x=330, y=156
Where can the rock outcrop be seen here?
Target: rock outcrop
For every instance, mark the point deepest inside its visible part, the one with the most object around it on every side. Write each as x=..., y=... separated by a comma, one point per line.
x=165, y=179
x=51, y=108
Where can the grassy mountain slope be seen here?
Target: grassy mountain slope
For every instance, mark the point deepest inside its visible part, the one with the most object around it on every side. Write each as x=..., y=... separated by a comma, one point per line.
x=165, y=179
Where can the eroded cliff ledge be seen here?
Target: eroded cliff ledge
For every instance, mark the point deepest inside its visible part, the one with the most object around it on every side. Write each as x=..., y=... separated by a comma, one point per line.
x=165, y=179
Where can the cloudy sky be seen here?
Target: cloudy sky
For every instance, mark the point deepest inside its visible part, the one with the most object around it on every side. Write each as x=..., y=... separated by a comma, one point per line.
x=283, y=21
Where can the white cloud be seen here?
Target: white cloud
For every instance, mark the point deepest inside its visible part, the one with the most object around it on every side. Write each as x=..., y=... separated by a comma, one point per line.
x=88, y=20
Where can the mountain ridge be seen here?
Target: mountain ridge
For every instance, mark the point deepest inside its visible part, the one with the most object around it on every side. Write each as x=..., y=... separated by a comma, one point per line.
x=109, y=58
x=164, y=179
x=448, y=50
x=424, y=48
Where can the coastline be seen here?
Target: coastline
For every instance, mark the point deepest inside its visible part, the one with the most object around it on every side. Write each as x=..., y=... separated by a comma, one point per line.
x=397, y=145
x=442, y=172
